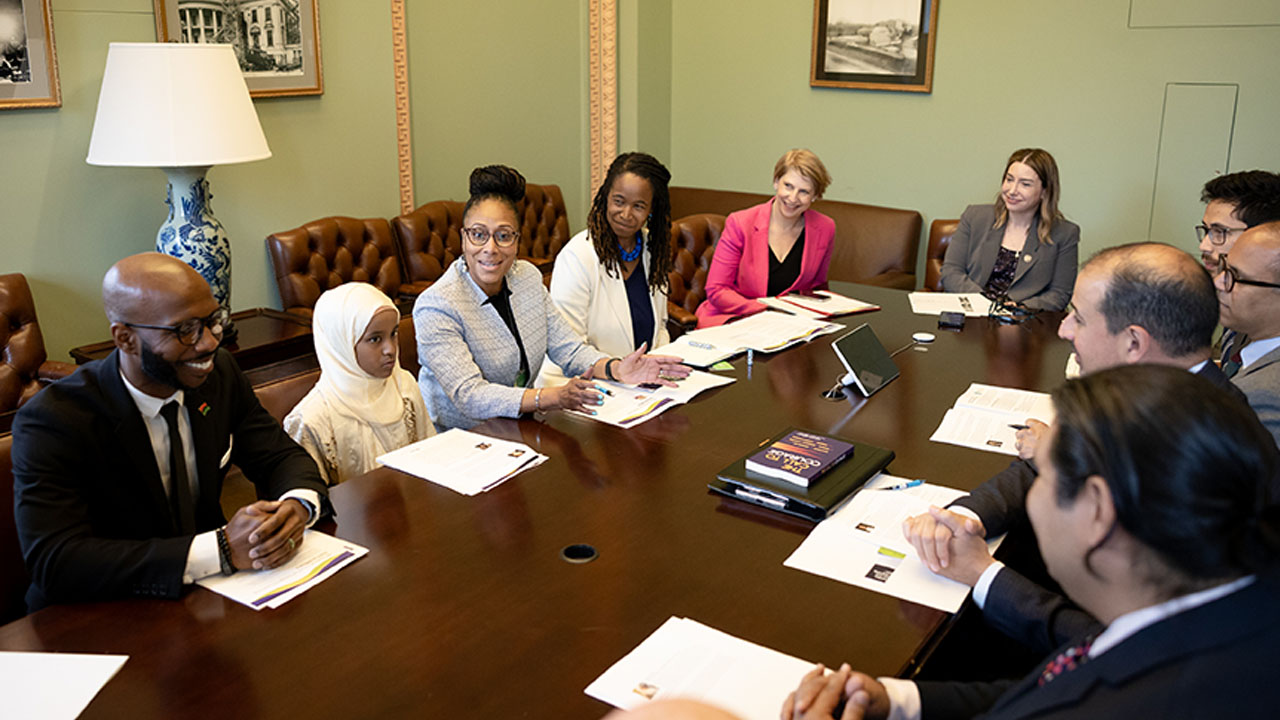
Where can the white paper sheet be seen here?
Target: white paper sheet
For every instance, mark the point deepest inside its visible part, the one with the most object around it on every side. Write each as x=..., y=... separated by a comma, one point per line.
x=52, y=686
x=629, y=406
x=838, y=549
x=686, y=659
x=935, y=303
x=317, y=559
x=465, y=462
x=821, y=304
x=983, y=416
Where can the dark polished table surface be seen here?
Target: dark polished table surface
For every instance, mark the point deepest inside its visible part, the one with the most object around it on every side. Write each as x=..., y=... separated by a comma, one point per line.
x=464, y=607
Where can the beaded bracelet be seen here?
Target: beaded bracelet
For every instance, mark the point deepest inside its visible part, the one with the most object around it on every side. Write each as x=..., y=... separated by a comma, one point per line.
x=224, y=552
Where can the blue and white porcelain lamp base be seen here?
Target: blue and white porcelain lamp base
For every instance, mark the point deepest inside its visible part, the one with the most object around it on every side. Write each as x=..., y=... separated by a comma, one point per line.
x=193, y=235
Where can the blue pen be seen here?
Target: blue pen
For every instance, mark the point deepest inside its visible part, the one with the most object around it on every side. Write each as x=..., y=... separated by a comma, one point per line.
x=606, y=391
x=903, y=486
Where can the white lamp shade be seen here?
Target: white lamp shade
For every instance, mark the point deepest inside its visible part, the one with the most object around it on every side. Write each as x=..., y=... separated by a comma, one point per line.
x=174, y=105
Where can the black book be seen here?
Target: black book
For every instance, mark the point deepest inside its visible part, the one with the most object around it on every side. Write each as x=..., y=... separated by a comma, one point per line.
x=815, y=502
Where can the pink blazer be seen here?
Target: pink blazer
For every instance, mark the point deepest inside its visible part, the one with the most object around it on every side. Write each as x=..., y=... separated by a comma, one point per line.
x=740, y=267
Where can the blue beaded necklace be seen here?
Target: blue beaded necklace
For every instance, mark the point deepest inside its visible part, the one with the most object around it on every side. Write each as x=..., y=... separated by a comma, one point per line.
x=635, y=251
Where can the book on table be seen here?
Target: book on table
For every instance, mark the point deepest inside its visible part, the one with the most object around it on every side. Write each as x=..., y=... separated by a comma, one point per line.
x=799, y=457
x=814, y=502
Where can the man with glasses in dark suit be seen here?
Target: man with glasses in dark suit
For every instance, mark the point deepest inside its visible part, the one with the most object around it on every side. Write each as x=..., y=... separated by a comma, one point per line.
x=1234, y=203
x=118, y=469
x=1248, y=284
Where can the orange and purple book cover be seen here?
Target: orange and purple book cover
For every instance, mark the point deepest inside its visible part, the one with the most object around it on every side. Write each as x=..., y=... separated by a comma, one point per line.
x=799, y=457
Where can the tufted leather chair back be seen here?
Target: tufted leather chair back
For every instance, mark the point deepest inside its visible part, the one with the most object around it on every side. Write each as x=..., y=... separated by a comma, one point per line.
x=544, y=223
x=331, y=251
x=22, y=357
x=693, y=240
x=429, y=238
x=940, y=232
x=13, y=573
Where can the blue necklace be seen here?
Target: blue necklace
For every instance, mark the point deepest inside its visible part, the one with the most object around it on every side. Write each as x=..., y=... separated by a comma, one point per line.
x=635, y=251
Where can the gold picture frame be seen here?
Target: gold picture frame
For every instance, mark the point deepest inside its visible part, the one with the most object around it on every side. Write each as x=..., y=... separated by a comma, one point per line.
x=277, y=41
x=28, y=60
x=873, y=45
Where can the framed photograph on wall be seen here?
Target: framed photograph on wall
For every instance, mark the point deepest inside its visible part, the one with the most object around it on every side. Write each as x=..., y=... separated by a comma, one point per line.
x=28, y=63
x=277, y=41
x=874, y=44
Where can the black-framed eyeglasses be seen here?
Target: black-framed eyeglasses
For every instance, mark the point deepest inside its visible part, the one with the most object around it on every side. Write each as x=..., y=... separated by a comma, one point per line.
x=1232, y=277
x=1217, y=234
x=479, y=235
x=190, y=331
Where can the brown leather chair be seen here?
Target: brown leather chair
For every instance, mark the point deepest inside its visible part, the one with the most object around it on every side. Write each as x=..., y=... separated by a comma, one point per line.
x=430, y=237
x=408, y=346
x=326, y=253
x=874, y=245
x=940, y=232
x=13, y=573
x=693, y=240
x=24, y=366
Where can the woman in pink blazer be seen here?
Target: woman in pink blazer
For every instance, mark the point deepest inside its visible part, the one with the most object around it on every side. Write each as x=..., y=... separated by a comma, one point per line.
x=774, y=248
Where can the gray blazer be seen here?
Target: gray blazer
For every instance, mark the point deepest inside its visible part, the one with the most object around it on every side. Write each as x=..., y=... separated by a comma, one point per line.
x=1045, y=276
x=468, y=356
x=1260, y=382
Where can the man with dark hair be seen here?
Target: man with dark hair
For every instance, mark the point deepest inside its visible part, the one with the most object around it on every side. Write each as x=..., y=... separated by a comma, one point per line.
x=1249, y=296
x=1140, y=303
x=1234, y=203
x=118, y=469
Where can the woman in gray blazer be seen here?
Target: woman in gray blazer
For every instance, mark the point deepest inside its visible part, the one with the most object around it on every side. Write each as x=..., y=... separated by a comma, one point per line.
x=1019, y=248
x=485, y=327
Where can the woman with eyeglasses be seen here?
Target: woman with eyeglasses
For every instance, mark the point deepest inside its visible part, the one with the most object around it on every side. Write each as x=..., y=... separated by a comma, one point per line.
x=777, y=247
x=364, y=404
x=485, y=327
x=1020, y=248
x=1153, y=511
x=610, y=280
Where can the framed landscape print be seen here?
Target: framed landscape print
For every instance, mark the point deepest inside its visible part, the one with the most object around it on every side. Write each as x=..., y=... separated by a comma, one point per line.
x=277, y=42
x=28, y=63
x=874, y=44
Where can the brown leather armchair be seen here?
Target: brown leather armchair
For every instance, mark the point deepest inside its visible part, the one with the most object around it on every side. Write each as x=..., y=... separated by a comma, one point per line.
x=544, y=225
x=940, y=232
x=693, y=240
x=331, y=251
x=24, y=366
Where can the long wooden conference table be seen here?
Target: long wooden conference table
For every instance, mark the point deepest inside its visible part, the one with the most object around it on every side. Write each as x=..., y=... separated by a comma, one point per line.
x=465, y=608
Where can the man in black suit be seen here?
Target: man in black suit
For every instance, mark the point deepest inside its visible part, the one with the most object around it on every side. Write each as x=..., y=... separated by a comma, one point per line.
x=118, y=469
x=1143, y=303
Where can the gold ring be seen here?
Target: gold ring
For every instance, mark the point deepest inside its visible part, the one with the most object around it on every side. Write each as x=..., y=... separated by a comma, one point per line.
x=292, y=545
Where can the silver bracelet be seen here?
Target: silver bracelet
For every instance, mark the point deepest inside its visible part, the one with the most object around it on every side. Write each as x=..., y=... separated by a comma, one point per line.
x=537, y=400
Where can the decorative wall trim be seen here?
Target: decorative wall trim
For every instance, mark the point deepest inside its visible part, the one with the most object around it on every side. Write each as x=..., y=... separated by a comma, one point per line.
x=404, y=133
x=602, y=72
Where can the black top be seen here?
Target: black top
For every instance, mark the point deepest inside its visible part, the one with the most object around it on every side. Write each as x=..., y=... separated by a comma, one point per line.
x=784, y=273
x=1002, y=274
x=637, y=285
x=501, y=301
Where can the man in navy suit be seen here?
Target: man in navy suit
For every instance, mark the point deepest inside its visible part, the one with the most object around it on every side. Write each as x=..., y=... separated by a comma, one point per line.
x=118, y=469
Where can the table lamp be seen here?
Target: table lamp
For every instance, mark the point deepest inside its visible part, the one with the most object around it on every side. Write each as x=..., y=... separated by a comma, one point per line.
x=184, y=108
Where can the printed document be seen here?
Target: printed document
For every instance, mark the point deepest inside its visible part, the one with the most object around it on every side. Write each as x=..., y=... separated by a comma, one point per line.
x=935, y=303
x=465, y=462
x=53, y=686
x=820, y=304
x=686, y=659
x=318, y=557
x=982, y=417
x=629, y=405
x=862, y=544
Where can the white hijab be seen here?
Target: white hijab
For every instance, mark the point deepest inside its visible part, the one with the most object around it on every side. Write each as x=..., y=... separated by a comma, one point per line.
x=340, y=318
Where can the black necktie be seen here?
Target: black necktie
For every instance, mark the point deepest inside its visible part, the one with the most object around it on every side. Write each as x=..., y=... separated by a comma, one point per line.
x=184, y=516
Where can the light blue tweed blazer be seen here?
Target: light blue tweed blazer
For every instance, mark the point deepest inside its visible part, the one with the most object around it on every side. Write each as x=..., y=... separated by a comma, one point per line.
x=469, y=358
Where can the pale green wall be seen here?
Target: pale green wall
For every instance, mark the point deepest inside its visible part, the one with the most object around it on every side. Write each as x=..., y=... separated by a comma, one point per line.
x=1067, y=76
x=644, y=77
x=496, y=81
x=63, y=222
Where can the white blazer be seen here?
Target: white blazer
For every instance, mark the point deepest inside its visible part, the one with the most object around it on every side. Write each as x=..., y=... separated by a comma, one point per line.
x=595, y=304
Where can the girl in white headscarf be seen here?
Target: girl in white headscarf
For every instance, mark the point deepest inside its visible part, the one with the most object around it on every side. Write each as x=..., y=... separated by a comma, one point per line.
x=364, y=404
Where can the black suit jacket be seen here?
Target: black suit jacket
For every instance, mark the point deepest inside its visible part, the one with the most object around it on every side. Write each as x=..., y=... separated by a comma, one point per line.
x=92, y=515
x=1216, y=660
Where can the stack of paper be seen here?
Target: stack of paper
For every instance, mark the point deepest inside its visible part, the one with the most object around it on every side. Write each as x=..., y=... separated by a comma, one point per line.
x=862, y=544
x=686, y=659
x=627, y=406
x=764, y=332
x=463, y=461
x=318, y=557
x=52, y=685
x=983, y=418
x=933, y=303
x=820, y=304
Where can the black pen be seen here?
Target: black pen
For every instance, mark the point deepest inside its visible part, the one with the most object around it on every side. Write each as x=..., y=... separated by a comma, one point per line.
x=1018, y=427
